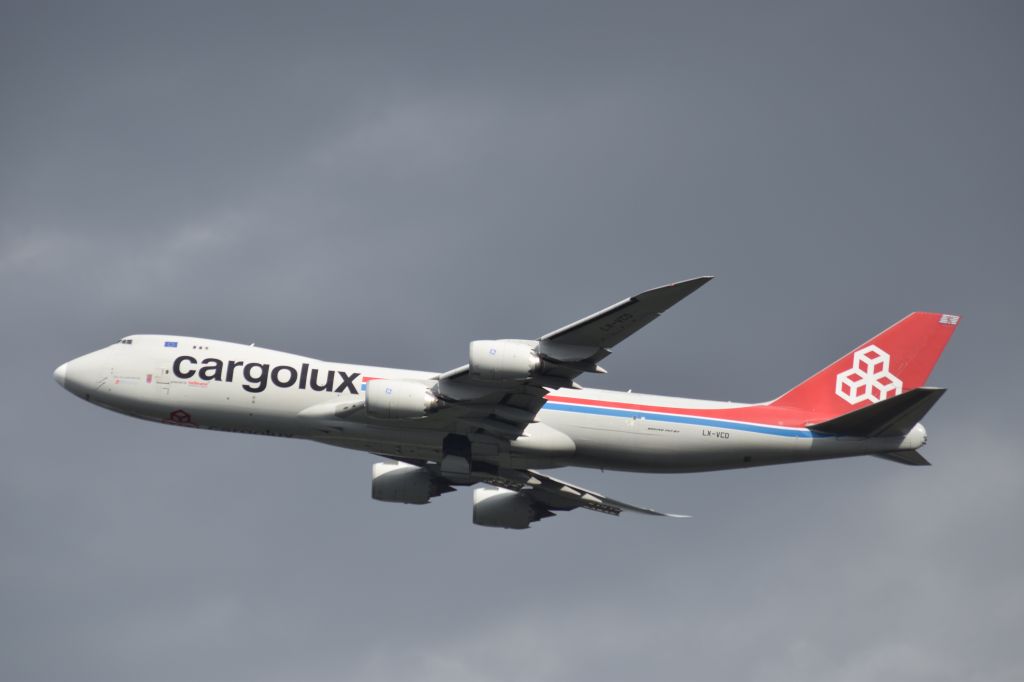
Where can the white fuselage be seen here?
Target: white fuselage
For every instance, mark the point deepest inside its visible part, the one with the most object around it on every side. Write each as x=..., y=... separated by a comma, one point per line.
x=226, y=386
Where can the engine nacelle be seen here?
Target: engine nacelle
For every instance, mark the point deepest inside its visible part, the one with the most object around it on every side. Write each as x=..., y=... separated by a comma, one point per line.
x=503, y=359
x=396, y=399
x=499, y=508
x=405, y=483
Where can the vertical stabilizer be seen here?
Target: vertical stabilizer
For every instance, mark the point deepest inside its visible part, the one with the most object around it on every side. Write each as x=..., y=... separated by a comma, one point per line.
x=890, y=364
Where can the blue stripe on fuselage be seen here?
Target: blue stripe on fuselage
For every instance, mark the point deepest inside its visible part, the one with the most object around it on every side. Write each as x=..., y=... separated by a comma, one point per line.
x=679, y=419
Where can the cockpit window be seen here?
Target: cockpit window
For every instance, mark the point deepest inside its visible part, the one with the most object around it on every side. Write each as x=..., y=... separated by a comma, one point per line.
x=126, y=341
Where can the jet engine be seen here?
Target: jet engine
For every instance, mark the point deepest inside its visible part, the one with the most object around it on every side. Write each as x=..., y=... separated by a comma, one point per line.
x=500, y=508
x=394, y=399
x=405, y=483
x=503, y=359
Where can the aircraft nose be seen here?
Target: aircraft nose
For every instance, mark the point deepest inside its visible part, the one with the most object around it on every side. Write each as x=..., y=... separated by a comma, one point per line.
x=60, y=374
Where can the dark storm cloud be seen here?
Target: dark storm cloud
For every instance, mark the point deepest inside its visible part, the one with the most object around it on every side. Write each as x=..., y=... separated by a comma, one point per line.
x=382, y=185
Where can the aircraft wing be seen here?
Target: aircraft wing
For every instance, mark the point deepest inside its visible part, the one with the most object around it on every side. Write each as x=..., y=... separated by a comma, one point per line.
x=504, y=408
x=533, y=494
x=607, y=327
x=493, y=411
x=559, y=495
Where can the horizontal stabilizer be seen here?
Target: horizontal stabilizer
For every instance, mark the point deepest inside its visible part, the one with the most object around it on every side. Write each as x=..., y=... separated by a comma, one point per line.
x=893, y=417
x=909, y=457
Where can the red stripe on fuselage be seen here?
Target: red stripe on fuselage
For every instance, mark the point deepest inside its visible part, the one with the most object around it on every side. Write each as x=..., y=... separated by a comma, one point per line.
x=751, y=414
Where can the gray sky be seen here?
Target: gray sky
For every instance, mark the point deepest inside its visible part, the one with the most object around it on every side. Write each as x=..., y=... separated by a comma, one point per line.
x=382, y=184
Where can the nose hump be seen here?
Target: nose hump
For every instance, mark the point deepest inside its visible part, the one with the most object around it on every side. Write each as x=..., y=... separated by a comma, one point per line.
x=60, y=374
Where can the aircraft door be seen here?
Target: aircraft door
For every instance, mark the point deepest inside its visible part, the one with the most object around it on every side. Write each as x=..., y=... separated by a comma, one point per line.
x=161, y=380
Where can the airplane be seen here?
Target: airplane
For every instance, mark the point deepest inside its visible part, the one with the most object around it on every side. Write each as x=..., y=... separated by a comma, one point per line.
x=515, y=408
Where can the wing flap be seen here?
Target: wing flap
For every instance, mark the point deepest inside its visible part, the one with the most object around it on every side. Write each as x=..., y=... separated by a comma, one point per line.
x=573, y=496
x=558, y=495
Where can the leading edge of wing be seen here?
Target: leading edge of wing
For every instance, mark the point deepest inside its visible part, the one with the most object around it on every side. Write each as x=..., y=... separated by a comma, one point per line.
x=609, y=326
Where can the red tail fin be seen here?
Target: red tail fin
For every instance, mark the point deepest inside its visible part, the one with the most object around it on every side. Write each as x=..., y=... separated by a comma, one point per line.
x=897, y=360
